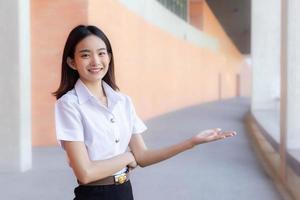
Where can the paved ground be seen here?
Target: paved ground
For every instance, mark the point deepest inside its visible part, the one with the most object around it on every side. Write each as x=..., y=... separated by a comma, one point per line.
x=223, y=170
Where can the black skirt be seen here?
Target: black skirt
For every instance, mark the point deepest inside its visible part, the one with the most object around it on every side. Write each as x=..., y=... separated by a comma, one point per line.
x=104, y=192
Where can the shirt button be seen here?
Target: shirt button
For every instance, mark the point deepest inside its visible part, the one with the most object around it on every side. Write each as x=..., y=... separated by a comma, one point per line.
x=117, y=140
x=112, y=120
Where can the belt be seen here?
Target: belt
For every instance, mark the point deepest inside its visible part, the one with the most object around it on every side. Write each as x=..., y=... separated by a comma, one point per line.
x=111, y=180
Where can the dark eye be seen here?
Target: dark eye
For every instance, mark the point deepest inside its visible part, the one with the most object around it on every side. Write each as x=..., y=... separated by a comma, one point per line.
x=84, y=55
x=102, y=53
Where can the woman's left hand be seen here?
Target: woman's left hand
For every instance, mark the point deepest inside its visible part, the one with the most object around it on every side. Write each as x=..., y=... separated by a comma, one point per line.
x=131, y=166
x=211, y=135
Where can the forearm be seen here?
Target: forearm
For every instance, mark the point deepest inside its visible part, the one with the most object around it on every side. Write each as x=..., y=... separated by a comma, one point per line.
x=149, y=157
x=100, y=169
x=145, y=157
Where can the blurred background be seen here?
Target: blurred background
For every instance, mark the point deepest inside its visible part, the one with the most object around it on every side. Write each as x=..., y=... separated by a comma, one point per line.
x=170, y=55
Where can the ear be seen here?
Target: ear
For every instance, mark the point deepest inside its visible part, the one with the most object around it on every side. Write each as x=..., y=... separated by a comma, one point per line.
x=71, y=63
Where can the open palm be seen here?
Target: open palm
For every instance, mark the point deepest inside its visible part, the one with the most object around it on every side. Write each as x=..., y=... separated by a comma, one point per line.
x=211, y=135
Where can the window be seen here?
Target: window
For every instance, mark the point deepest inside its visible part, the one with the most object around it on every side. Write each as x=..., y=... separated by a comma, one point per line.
x=178, y=7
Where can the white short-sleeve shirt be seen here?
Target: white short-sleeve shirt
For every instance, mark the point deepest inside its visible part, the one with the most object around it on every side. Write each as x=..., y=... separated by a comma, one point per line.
x=106, y=131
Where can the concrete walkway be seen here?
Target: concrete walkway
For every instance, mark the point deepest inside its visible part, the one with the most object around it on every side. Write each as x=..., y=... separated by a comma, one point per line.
x=223, y=170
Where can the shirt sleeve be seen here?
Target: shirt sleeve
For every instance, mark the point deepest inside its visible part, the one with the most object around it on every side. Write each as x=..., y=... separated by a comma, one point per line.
x=138, y=125
x=68, y=122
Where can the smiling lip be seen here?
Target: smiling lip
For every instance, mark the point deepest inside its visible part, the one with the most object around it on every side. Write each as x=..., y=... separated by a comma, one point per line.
x=95, y=70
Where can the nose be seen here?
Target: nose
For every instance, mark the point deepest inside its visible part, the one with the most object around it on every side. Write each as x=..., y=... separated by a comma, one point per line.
x=95, y=61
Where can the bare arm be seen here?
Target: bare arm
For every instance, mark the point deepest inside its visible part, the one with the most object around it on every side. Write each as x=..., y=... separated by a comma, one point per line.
x=145, y=157
x=88, y=171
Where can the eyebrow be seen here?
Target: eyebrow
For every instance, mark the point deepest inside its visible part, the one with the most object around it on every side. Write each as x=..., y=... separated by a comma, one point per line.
x=87, y=50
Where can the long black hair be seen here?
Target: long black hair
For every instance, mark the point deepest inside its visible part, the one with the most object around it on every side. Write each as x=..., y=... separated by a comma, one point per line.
x=69, y=76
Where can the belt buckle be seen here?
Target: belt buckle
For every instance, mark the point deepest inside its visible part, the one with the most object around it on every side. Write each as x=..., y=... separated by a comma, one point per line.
x=120, y=178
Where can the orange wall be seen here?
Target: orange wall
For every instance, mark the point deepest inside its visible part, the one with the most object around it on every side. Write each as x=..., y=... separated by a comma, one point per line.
x=160, y=72
x=231, y=59
x=50, y=23
x=196, y=13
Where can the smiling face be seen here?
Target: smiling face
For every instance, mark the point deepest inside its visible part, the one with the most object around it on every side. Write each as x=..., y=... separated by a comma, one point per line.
x=91, y=59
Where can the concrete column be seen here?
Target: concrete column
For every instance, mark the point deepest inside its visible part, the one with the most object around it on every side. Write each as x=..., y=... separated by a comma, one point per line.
x=293, y=75
x=265, y=51
x=195, y=13
x=15, y=115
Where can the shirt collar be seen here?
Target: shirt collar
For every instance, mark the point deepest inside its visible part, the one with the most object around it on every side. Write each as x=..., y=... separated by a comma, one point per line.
x=84, y=94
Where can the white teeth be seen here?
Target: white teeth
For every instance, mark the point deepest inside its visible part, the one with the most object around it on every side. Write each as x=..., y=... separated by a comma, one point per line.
x=95, y=70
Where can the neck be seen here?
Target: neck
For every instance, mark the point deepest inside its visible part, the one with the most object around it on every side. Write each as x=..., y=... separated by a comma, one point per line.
x=95, y=88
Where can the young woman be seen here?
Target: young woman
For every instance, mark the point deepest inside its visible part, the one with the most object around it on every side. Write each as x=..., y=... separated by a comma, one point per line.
x=96, y=123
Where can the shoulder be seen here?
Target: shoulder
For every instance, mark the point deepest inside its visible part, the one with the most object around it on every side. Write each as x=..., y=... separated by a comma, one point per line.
x=69, y=98
x=125, y=98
